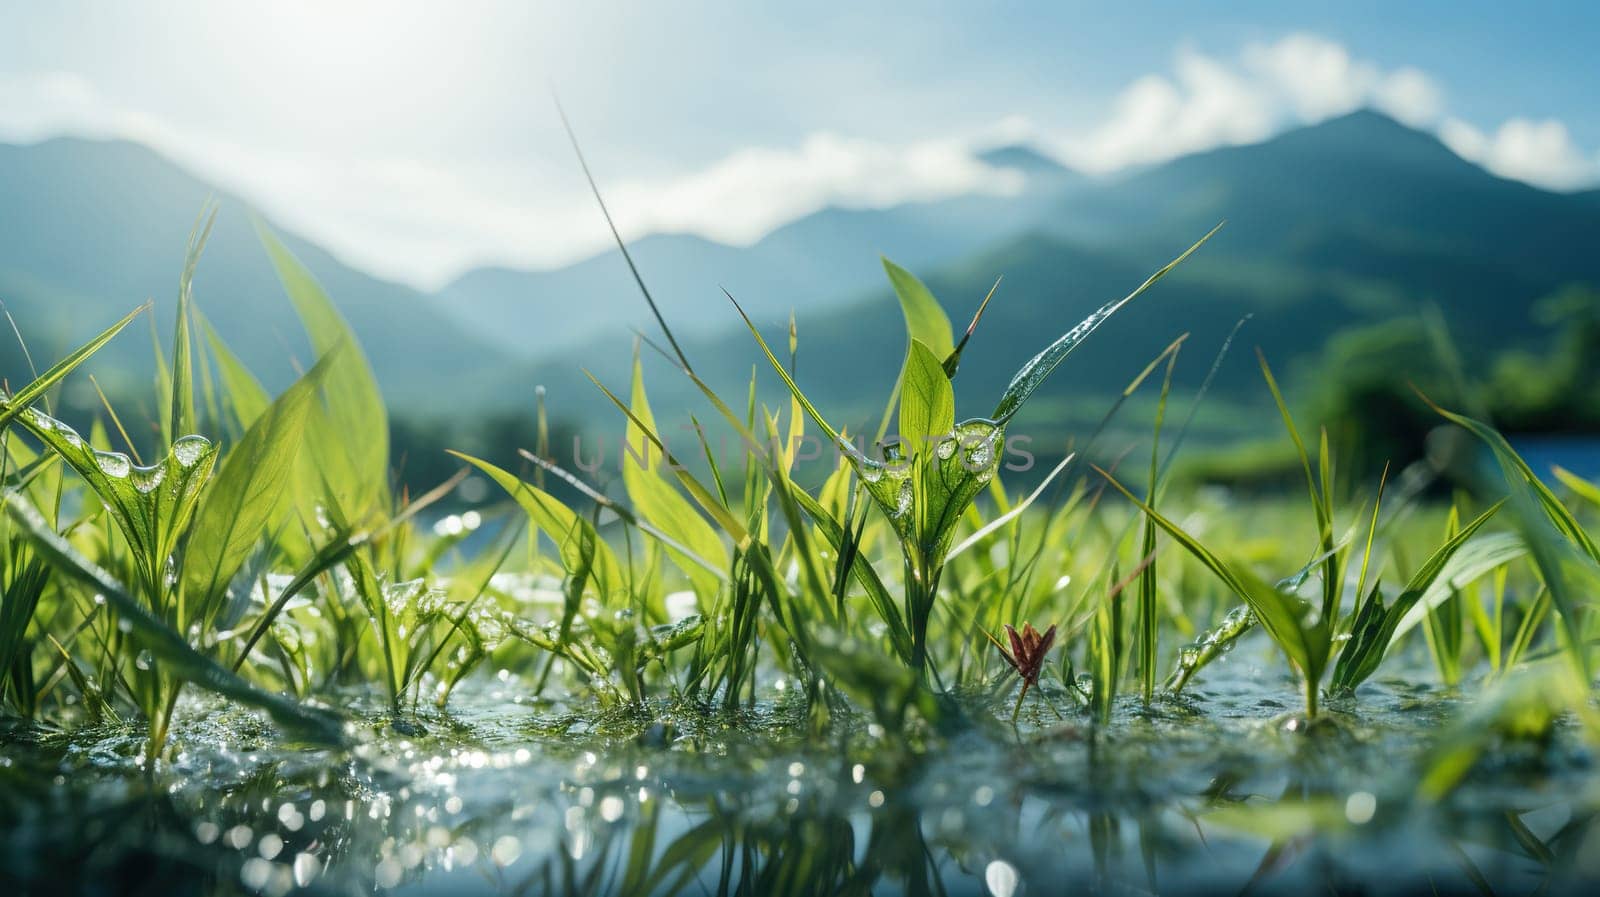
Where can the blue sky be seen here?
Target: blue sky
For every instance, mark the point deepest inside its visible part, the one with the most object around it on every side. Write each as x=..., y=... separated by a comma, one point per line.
x=418, y=139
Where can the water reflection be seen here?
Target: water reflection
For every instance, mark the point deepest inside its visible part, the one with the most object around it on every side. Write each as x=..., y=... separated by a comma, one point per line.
x=1207, y=795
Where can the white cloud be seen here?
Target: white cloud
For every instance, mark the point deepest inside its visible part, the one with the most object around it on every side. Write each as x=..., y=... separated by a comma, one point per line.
x=1208, y=101
x=424, y=222
x=1300, y=79
x=1539, y=152
x=747, y=194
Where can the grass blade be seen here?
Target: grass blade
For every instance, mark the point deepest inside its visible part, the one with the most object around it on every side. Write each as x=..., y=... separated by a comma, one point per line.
x=162, y=641
x=12, y=406
x=1033, y=374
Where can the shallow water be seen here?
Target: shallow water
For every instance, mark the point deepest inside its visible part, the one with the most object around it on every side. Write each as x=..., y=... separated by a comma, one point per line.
x=1220, y=791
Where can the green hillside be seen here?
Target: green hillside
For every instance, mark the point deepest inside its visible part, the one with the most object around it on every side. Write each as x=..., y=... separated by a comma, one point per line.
x=1332, y=230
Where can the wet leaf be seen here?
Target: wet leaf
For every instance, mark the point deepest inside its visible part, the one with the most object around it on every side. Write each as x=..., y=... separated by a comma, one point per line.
x=1033, y=374
x=153, y=504
x=13, y=405
x=164, y=642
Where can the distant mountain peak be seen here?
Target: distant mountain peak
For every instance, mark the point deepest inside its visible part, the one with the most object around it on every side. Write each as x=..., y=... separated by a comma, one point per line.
x=1368, y=132
x=1025, y=159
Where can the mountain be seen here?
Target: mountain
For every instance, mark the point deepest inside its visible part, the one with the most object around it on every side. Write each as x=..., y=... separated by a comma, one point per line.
x=822, y=260
x=90, y=229
x=1356, y=222
x=1027, y=161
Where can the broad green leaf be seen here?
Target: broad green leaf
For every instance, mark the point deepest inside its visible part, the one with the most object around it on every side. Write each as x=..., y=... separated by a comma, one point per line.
x=925, y=498
x=164, y=642
x=927, y=403
x=655, y=499
x=926, y=321
x=152, y=505
x=348, y=442
x=1033, y=374
x=13, y=405
x=710, y=503
x=242, y=392
x=247, y=499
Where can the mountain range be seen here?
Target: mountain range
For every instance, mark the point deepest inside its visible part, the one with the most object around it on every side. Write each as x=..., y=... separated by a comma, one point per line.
x=1353, y=222
x=819, y=261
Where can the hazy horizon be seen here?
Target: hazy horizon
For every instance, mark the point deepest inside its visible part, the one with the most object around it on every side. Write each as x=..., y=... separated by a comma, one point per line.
x=424, y=143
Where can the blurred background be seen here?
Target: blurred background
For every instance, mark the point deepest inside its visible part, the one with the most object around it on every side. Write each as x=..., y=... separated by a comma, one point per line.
x=1410, y=196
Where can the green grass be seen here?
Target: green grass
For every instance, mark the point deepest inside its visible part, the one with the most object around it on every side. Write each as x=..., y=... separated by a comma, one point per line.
x=271, y=562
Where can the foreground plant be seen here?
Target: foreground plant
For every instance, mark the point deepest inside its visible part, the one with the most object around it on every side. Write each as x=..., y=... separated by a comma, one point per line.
x=930, y=476
x=1026, y=657
x=1317, y=637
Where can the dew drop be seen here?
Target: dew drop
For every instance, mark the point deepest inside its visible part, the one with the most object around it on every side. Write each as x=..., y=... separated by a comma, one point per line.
x=189, y=449
x=982, y=454
x=113, y=464
x=146, y=479
x=144, y=661
x=902, y=504
x=945, y=449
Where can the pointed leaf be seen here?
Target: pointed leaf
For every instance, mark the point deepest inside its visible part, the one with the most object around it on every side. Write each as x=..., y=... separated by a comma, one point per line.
x=349, y=433
x=927, y=403
x=580, y=545
x=926, y=321
x=152, y=505
x=1033, y=374
x=1372, y=636
x=13, y=405
x=655, y=499
x=246, y=500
